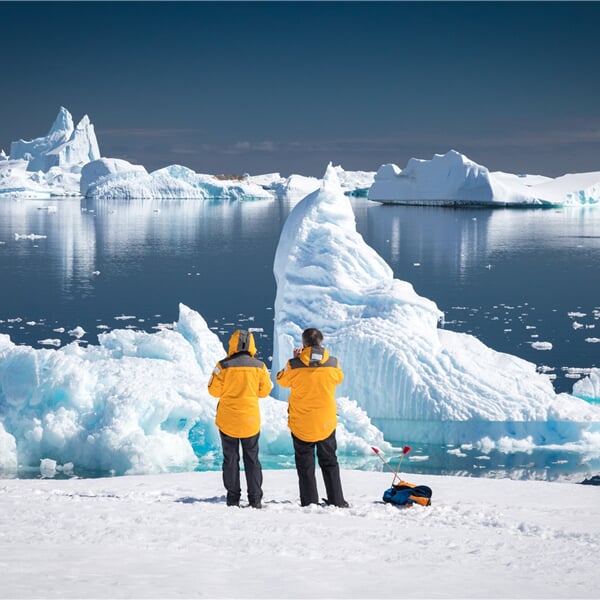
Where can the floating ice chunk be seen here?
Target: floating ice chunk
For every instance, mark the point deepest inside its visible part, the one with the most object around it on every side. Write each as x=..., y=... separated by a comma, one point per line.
x=506, y=445
x=592, y=340
x=78, y=332
x=50, y=342
x=29, y=236
x=456, y=452
x=47, y=467
x=541, y=345
x=588, y=388
x=67, y=468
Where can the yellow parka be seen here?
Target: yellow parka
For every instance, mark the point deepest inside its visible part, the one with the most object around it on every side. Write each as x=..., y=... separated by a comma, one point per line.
x=313, y=377
x=239, y=381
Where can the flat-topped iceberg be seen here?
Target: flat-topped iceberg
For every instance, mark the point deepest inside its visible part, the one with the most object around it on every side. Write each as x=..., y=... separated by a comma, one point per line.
x=453, y=179
x=108, y=178
x=418, y=382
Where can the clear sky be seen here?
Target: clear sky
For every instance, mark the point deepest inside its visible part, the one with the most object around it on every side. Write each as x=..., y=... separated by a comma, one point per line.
x=234, y=87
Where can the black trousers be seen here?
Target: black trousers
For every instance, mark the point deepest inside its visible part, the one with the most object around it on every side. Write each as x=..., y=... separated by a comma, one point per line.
x=304, y=453
x=231, y=468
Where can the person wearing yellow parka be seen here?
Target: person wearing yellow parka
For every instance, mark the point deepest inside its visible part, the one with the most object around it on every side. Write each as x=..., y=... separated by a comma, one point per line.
x=239, y=380
x=313, y=376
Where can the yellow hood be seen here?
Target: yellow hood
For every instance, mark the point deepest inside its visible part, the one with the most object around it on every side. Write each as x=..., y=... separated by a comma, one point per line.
x=246, y=343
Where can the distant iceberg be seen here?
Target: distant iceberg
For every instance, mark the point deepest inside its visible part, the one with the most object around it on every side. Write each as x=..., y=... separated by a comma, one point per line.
x=453, y=179
x=50, y=165
x=417, y=382
x=108, y=178
x=295, y=187
x=64, y=146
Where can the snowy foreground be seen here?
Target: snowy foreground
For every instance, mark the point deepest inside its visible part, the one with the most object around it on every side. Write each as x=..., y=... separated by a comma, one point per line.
x=171, y=536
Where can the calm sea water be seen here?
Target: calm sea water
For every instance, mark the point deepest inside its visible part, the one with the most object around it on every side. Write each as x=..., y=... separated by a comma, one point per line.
x=510, y=277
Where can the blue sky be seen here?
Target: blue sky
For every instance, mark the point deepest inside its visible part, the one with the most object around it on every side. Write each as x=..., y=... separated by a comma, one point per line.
x=232, y=87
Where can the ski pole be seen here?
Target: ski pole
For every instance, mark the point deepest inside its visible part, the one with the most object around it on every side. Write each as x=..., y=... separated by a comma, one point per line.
x=385, y=462
x=405, y=451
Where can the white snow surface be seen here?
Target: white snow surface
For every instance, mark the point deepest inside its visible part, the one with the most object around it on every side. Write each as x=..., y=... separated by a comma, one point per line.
x=453, y=179
x=171, y=536
x=427, y=383
x=114, y=178
x=133, y=404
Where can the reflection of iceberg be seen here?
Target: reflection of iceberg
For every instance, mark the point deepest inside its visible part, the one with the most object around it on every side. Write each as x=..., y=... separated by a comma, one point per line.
x=70, y=235
x=453, y=179
x=455, y=244
x=428, y=384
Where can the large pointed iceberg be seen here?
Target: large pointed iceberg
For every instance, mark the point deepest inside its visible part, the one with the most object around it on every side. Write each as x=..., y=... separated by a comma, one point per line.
x=64, y=146
x=453, y=179
x=417, y=381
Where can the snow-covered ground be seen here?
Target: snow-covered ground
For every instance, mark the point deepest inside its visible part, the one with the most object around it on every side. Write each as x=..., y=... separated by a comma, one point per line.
x=171, y=536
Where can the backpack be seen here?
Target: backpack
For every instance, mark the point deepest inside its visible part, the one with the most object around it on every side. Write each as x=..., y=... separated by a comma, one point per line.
x=407, y=494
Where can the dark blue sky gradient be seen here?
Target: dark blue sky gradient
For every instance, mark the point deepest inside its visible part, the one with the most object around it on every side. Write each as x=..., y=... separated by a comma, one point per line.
x=235, y=87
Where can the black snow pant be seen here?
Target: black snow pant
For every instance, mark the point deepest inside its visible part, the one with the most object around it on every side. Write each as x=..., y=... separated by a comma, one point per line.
x=304, y=453
x=231, y=468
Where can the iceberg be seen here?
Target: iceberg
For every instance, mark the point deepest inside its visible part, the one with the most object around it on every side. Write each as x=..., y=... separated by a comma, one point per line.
x=295, y=187
x=64, y=146
x=136, y=403
x=108, y=178
x=416, y=380
x=453, y=179
x=588, y=388
x=50, y=165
